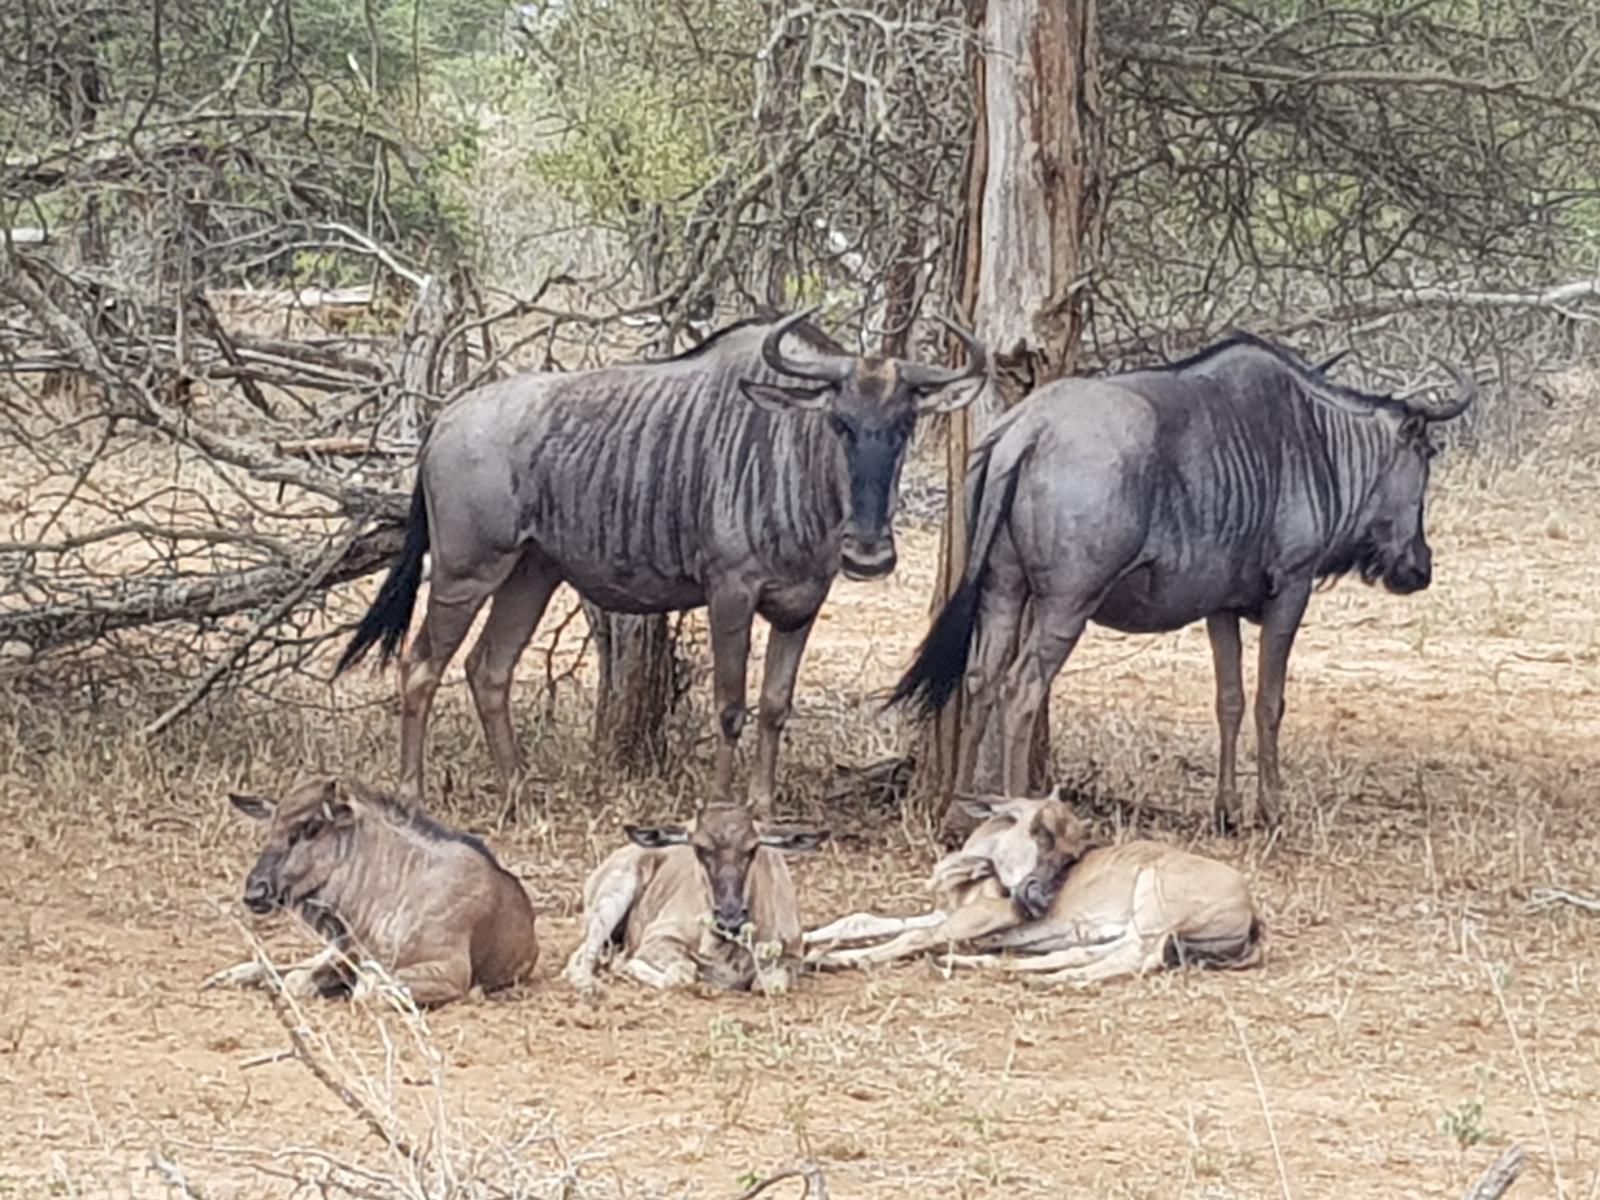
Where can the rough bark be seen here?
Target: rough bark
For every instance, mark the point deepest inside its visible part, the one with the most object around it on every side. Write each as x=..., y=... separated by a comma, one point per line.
x=637, y=664
x=1035, y=191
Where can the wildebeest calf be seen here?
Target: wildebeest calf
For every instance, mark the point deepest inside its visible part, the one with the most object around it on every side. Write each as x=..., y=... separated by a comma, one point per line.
x=713, y=904
x=383, y=881
x=1028, y=881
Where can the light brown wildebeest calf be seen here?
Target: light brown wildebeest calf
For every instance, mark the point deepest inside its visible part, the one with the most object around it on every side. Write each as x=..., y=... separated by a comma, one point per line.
x=383, y=881
x=1028, y=881
x=713, y=904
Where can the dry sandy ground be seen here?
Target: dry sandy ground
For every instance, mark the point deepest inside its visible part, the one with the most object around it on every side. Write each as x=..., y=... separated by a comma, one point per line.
x=1413, y=1016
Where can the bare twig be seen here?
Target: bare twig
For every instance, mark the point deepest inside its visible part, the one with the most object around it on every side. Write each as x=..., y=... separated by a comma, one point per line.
x=816, y=1185
x=1499, y=1175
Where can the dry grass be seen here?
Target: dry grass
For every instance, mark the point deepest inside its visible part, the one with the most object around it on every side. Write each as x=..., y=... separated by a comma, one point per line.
x=1414, y=1013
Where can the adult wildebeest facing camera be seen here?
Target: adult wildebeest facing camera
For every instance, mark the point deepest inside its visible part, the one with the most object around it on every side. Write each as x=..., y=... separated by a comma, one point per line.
x=382, y=881
x=1028, y=882
x=1224, y=486
x=742, y=475
x=713, y=903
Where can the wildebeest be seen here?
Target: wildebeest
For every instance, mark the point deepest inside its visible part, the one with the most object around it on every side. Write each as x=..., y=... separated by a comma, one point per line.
x=713, y=904
x=1221, y=487
x=383, y=881
x=1028, y=881
x=741, y=476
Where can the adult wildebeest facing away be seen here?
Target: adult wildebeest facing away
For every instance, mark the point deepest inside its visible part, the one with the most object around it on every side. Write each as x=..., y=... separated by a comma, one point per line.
x=714, y=904
x=742, y=475
x=383, y=881
x=1221, y=487
x=1027, y=881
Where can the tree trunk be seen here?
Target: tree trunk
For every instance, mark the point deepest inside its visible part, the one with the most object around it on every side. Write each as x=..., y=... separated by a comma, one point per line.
x=1033, y=206
x=637, y=666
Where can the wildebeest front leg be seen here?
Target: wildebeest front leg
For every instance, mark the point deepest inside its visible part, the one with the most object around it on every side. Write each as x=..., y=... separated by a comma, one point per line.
x=301, y=979
x=1226, y=658
x=514, y=614
x=730, y=613
x=606, y=905
x=1280, y=621
x=785, y=648
x=985, y=915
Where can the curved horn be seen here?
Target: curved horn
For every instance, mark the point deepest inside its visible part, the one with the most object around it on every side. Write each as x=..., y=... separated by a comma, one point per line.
x=926, y=377
x=1466, y=393
x=831, y=369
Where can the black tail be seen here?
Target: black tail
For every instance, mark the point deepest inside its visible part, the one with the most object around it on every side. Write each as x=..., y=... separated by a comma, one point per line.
x=390, y=614
x=941, y=661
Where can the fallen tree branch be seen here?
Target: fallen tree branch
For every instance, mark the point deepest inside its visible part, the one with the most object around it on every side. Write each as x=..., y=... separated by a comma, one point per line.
x=1501, y=1174
x=202, y=687
x=57, y=626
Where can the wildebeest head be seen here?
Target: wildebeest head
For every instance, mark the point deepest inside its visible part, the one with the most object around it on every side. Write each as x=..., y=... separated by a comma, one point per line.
x=725, y=839
x=1391, y=543
x=307, y=839
x=872, y=406
x=1031, y=844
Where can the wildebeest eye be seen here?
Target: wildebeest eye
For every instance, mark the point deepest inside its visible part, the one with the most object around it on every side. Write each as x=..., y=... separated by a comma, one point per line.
x=306, y=831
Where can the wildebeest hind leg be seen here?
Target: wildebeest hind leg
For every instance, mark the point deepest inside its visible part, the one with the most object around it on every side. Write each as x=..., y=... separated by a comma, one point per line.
x=514, y=614
x=1131, y=954
x=981, y=753
x=1056, y=627
x=1223, y=629
x=451, y=609
x=428, y=983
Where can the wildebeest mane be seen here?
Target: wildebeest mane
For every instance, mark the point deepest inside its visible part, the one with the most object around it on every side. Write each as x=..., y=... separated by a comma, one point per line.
x=805, y=330
x=420, y=822
x=1316, y=382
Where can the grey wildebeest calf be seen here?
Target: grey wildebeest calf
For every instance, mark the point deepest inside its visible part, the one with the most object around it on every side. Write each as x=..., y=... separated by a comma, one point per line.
x=1028, y=881
x=1224, y=486
x=713, y=904
x=742, y=475
x=382, y=881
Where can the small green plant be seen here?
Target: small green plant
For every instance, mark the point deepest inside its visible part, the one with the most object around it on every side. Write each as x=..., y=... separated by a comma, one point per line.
x=1464, y=1124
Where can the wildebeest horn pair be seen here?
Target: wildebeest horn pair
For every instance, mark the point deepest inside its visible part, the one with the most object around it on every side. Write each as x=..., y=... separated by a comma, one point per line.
x=835, y=368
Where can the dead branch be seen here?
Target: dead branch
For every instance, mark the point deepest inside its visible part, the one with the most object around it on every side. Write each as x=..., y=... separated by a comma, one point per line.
x=135, y=604
x=1499, y=1176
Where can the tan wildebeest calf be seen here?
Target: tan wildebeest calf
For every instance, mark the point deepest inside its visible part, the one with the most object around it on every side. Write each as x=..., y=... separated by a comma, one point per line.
x=1028, y=881
x=713, y=904
x=383, y=881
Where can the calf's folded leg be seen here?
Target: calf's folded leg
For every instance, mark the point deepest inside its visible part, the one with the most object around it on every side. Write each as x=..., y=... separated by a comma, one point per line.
x=985, y=915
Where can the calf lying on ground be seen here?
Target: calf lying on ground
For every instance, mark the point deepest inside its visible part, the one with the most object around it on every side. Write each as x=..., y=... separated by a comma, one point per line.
x=713, y=904
x=1027, y=881
x=383, y=881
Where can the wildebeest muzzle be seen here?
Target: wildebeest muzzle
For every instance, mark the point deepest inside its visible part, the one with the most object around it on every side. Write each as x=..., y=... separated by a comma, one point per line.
x=260, y=887
x=864, y=558
x=1034, y=897
x=730, y=920
x=1412, y=573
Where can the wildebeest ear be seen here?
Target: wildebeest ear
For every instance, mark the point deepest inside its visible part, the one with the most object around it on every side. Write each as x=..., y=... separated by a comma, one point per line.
x=783, y=397
x=1413, y=428
x=258, y=808
x=795, y=839
x=653, y=837
x=952, y=398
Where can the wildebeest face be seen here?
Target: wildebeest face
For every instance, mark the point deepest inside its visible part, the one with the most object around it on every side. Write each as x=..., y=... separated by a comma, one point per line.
x=872, y=405
x=306, y=833
x=725, y=840
x=1394, y=545
x=1031, y=844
